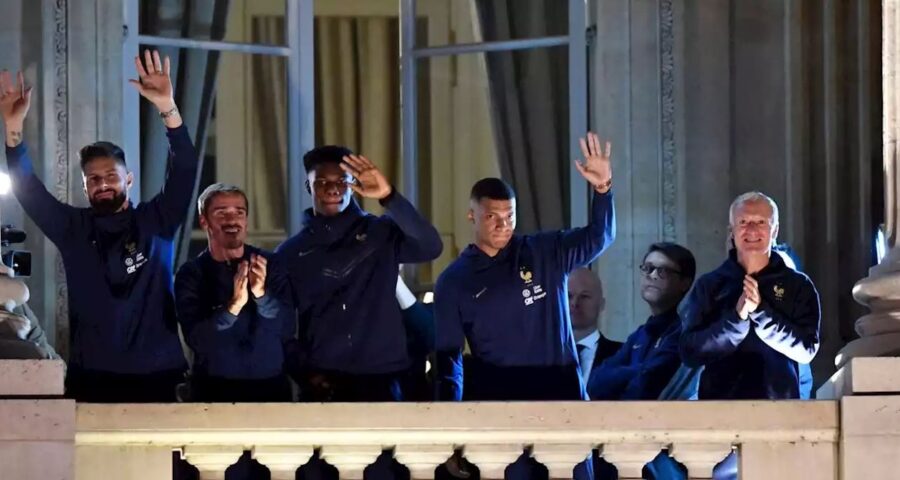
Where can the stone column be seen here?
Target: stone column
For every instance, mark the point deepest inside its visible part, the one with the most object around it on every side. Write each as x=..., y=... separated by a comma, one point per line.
x=879, y=330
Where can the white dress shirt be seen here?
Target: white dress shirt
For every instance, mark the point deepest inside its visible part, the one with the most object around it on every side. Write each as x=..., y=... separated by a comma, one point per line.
x=588, y=348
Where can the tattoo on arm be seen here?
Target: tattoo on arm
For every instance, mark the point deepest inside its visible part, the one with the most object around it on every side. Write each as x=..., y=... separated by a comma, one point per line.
x=14, y=138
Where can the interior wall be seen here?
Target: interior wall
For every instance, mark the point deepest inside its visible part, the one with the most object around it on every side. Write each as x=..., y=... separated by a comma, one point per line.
x=707, y=99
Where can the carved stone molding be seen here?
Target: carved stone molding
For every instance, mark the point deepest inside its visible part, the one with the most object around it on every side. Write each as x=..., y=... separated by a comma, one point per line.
x=60, y=166
x=667, y=118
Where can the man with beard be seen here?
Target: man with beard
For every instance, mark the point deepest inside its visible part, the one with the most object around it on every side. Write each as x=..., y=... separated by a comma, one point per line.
x=118, y=257
x=754, y=320
x=235, y=328
x=342, y=273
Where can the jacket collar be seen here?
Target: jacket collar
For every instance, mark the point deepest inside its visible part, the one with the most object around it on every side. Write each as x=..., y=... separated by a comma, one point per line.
x=732, y=269
x=334, y=227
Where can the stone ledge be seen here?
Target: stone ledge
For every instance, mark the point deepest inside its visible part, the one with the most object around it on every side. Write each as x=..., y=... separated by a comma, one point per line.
x=26, y=378
x=863, y=375
x=37, y=421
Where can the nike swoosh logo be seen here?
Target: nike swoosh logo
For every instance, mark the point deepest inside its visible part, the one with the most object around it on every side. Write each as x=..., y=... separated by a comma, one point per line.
x=481, y=292
x=305, y=253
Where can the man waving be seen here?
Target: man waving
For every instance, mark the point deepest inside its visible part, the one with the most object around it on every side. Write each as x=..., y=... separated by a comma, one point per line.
x=117, y=256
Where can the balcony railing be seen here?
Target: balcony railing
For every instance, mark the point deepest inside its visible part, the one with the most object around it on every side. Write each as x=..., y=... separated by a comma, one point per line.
x=855, y=437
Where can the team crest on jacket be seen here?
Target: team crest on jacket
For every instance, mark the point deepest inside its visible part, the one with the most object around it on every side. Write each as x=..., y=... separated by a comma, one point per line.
x=526, y=275
x=532, y=292
x=779, y=292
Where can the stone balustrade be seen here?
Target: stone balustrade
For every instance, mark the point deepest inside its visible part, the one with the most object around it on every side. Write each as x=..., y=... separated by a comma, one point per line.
x=853, y=435
x=776, y=439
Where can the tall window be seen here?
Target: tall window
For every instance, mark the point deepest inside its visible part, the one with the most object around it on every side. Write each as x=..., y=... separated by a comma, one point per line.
x=476, y=88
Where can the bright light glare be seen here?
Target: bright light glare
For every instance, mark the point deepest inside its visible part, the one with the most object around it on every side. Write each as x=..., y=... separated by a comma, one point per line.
x=5, y=184
x=880, y=245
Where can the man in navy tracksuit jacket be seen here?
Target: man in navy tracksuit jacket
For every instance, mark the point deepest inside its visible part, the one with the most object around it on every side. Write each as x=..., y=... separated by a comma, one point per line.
x=506, y=295
x=642, y=368
x=236, y=328
x=118, y=258
x=342, y=272
x=645, y=364
x=753, y=320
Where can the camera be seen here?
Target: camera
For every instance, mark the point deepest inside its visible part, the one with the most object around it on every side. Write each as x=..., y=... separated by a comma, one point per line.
x=18, y=260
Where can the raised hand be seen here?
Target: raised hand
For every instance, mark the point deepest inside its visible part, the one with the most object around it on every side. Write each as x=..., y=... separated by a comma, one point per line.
x=596, y=167
x=258, y=265
x=371, y=182
x=241, y=296
x=15, y=100
x=750, y=298
x=153, y=82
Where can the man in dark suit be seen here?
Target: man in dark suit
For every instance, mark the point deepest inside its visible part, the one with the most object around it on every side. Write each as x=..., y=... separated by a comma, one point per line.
x=586, y=305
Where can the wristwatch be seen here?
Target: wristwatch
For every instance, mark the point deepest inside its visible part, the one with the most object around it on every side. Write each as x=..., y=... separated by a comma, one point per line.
x=169, y=113
x=603, y=187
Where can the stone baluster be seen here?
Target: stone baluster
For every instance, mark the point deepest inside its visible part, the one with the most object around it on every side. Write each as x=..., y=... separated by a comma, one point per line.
x=630, y=458
x=350, y=460
x=282, y=461
x=700, y=458
x=561, y=458
x=212, y=460
x=491, y=459
x=421, y=460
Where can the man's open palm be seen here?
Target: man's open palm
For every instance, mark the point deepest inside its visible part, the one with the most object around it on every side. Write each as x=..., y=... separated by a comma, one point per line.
x=15, y=98
x=153, y=81
x=371, y=182
x=596, y=167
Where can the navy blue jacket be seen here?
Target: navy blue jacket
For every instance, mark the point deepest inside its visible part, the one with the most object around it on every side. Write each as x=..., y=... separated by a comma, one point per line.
x=643, y=366
x=249, y=345
x=513, y=308
x=418, y=320
x=755, y=358
x=342, y=277
x=118, y=267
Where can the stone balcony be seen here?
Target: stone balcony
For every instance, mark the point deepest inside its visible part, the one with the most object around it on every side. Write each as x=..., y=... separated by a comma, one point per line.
x=854, y=437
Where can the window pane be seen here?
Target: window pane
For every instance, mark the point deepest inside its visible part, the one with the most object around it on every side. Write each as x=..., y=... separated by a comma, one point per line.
x=236, y=105
x=468, y=21
x=497, y=114
x=357, y=79
x=225, y=20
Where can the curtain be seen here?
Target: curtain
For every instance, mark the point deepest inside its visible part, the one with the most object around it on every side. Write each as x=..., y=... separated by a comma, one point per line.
x=529, y=100
x=267, y=189
x=357, y=94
